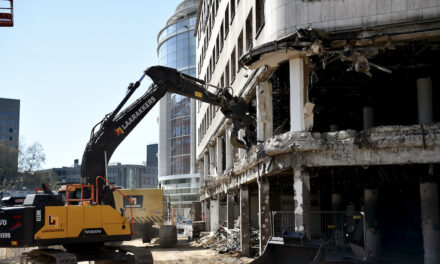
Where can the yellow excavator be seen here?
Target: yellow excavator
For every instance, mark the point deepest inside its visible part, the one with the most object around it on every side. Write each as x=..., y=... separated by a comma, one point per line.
x=89, y=216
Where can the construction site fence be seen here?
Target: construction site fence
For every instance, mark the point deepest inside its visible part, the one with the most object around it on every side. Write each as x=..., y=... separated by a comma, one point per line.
x=342, y=232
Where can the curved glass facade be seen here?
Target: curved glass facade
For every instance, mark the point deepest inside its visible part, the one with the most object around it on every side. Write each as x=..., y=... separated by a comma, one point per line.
x=177, y=49
x=178, y=46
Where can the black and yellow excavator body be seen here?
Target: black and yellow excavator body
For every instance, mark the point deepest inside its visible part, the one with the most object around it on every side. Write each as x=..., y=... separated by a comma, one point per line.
x=45, y=219
x=50, y=219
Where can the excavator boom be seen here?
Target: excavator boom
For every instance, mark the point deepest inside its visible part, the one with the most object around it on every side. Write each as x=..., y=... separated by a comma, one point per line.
x=116, y=126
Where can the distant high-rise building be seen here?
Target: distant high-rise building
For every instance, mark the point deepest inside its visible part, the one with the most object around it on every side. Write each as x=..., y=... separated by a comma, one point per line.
x=125, y=176
x=9, y=134
x=152, y=155
x=9, y=120
x=177, y=140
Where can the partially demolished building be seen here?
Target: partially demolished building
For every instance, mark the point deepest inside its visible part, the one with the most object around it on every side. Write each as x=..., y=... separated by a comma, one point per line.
x=346, y=145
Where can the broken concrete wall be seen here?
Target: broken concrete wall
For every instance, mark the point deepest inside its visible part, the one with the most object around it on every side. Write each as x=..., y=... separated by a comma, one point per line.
x=384, y=145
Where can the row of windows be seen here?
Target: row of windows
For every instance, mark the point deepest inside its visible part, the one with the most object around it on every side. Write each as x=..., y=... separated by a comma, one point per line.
x=180, y=106
x=8, y=138
x=178, y=52
x=151, y=180
x=180, y=165
x=206, y=121
x=179, y=198
x=181, y=181
x=4, y=113
x=9, y=122
x=6, y=130
x=180, y=26
x=180, y=146
x=178, y=42
x=232, y=67
x=180, y=127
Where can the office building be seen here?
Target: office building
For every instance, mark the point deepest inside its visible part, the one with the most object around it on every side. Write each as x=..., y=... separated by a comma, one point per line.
x=152, y=155
x=125, y=176
x=10, y=120
x=9, y=136
x=177, y=172
x=346, y=121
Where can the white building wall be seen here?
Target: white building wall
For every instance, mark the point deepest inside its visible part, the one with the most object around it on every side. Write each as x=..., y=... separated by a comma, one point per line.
x=282, y=18
x=231, y=41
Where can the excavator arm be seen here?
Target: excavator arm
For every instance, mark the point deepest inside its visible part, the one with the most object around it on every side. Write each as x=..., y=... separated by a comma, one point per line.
x=116, y=126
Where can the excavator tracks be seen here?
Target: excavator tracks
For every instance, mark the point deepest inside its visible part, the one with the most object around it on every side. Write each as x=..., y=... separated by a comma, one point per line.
x=103, y=255
x=48, y=256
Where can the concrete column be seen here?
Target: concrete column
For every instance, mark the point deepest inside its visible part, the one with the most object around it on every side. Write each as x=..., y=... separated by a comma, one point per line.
x=296, y=75
x=264, y=213
x=223, y=212
x=207, y=215
x=245, y=237
x=206, y=166
x=264, y=111
x=219, y=150
x=424, y=100
x=229, y=150
x=301, y=188
x=214, y=208
x=212, y=161
x=230, y=210
x=371, y=197
x=368, y=117
x=430, y=220
x=163, y=166
x=193, y=137
x=241, y=152
x=202, y=171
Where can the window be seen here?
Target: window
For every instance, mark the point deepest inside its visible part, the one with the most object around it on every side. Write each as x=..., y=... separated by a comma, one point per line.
x=227, y=75
x=260, y=15
x=249, y=32
x=226, y=21
x=221, y=35
x=233, y=67
x=232, y=10
x=217, y=45
x=240, y=44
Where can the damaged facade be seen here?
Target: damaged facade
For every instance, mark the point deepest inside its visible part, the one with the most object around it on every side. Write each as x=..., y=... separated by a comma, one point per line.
x=345, y=97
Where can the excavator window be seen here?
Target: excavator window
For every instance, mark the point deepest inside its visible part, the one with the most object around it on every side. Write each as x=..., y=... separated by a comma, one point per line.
x=6, y=13
x=79, y=194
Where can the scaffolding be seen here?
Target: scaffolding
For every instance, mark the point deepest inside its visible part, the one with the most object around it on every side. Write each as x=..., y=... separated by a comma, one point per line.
x=6, y=13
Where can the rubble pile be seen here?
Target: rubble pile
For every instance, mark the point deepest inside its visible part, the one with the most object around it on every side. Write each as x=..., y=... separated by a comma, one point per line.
x=255, y=238
x=223, y=240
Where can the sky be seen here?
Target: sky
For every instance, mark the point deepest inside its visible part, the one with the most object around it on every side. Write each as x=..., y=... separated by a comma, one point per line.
x=70, y=62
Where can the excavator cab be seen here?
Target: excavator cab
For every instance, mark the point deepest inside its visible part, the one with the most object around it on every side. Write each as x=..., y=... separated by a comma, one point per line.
x=6, y=13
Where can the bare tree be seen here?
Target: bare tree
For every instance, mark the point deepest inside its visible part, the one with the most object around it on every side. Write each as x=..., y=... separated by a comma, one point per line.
x=31, y=158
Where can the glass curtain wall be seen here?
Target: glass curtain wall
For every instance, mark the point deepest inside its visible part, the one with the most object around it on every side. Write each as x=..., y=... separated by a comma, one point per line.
x=177, y=49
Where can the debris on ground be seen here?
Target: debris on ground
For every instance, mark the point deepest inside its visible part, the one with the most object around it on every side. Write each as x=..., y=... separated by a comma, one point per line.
x=223, y=240
x=255, y=238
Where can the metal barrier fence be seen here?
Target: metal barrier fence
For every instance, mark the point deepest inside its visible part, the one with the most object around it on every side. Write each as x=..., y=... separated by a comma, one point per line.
x=343, y=232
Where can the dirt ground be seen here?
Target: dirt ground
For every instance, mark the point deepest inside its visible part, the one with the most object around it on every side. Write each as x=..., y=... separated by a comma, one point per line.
x=183, y=253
